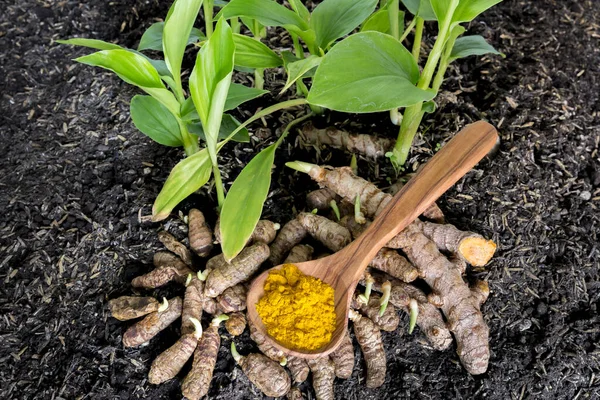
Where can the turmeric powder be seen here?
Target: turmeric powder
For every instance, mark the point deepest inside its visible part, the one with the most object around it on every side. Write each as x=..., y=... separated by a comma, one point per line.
x=297, y=310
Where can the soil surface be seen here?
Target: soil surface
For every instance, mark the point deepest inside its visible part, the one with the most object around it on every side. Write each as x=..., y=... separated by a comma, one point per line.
x=78, y=181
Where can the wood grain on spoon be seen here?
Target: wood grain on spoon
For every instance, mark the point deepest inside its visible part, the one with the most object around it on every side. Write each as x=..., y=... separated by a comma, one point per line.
x=343, y=269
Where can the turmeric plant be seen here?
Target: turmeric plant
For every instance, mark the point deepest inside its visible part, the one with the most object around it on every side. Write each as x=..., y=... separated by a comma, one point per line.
x=382, y=67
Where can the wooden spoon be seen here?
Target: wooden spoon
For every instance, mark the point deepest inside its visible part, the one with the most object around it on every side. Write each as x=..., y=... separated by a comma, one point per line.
x=344, y=269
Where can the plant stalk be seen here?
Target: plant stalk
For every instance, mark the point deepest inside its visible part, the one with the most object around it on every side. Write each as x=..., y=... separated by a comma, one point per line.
x=208, y=7
x=414, y=114
x=393, y=9
x=235, y=25
x=408, y=29
x=259, y=73
x=416, y=49
x=218, y=185
x=190, y=142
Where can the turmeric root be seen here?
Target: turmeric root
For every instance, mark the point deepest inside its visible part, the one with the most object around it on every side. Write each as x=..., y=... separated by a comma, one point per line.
x=241, y=268
x=294, y=394
x=233, y=299
x=461, y=309
x=320, y=199
x=388, y=322
x=299, y=253
x=197, y=382
x=236, y=324
x=297, y=366
x=480, y=291
x=264, y=232
x=289, y=236
x=175, y=246
x=323, y=375
x=168, y=364
x=192, y=304
x=210, y=305
x=472, y=247
x=343, y=358
x=199, y=234
x=386, y=260
x=368, y=336
x=146, y=329
x=264, y=373
x=367, y=145
x=130, y=307
x=169, y=268
x=429, y=319
x=331, y=234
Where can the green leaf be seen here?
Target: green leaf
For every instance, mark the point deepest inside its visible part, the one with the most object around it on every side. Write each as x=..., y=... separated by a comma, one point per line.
x=267, y=12
x=91, y=43
x=380, y=22
x=333, y=19
x=440, y=8
x=252, y=53
x=467, y=10
x=382, y=76
x=185, y=178
x=228, y=125
x=210, y=80
x=256, y=28
x=471, y=46
x=131, y=67
x=300, y=9
x=421, y=8
x=428, y=107
x=244, y=203
x=176, y=31
x=155, y=121
x=239, y=94
x=152, y=38
x=298, y=69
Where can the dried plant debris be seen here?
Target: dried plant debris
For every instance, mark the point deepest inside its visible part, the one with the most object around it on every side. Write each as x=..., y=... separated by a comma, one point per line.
x=264, y=373
x=146, y=329
x=130, y=307
x=200, y=235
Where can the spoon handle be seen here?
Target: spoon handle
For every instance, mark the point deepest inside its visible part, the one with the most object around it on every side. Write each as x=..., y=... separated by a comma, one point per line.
x=444, y=169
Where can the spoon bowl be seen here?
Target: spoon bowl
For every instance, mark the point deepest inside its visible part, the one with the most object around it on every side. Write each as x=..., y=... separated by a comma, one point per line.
x=343, y=270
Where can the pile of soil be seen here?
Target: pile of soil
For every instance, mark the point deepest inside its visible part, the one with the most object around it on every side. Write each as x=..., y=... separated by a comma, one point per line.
x=78, y=182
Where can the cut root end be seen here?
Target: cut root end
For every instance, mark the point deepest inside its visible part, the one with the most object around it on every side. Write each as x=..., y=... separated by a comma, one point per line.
x=477, y=251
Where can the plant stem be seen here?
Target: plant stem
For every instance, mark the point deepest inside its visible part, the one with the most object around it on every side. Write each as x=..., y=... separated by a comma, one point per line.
x=445, y=60
x=393, y=9
x=208, y=17
x=414, y=114
x=219, y=185
x=235, y=25
x=395, y=32
x=298, y=50
x=416, y=49
x=259, y=73
x=190, y=142
x=408, y=29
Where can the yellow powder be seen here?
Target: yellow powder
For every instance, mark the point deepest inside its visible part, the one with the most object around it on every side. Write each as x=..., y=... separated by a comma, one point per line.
x=297, y=310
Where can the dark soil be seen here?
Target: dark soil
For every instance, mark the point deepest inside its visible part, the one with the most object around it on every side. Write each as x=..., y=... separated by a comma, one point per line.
x=78, y=182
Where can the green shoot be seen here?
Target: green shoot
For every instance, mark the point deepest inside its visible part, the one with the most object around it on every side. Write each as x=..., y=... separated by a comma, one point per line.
x=413, y=307
x=335, y=209
x=386, y=290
